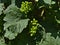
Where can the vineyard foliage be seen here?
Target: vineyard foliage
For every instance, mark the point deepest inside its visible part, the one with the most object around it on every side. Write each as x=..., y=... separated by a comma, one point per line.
x=29, y=22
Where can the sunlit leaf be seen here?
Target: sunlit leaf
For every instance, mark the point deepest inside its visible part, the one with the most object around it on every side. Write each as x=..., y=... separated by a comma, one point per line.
x=47, y=1
x=58, y=21
x=2, y=41
x=1, y=8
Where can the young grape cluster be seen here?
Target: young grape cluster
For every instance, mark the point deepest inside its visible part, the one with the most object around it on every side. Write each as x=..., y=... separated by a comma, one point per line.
x=34, y=26
x=26, y=7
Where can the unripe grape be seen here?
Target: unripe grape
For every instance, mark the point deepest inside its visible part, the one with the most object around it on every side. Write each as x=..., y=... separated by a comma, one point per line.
x=34, y=27
x=26, y=7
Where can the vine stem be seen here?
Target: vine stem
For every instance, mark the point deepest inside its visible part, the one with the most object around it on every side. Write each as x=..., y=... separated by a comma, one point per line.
x=44, y=33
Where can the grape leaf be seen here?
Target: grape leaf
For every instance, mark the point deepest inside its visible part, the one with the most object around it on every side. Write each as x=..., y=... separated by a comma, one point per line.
x=2, y=41
x=47, y=1
x=10, y=35
x=58, y=40
x=1, y=8
x=58, y=21
x=14, y=24
x=49, y=40
x=12, y=13
x=22, y=24
x=15, y=27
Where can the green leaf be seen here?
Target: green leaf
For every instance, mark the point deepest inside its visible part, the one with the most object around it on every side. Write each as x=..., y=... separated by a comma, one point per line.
x=1, y=8
x=12, y=13
x=49, y=40
x=13, y=1
x=19, y=25
x=10, y=35
x=14, y=24
x=58, y=21
x=15, y=27
x=2, y=41
x=53, y=2
x=47, y=1
x=22, y=24
x=58, y=40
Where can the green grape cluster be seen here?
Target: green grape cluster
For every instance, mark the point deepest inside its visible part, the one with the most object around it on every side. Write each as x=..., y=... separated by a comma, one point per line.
x=34, y=27
x=26, y=7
